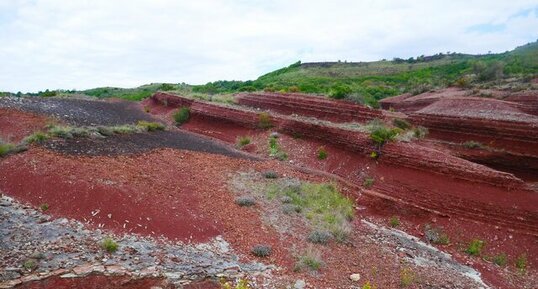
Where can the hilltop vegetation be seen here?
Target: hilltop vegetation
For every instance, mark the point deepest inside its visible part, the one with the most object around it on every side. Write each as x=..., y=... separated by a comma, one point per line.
x=368, y=82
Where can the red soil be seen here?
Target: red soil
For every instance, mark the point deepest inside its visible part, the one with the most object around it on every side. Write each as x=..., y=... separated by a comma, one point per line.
x=94, y=282
x=16, y=124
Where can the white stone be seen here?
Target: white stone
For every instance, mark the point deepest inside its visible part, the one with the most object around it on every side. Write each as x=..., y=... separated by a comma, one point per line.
x=355, y=277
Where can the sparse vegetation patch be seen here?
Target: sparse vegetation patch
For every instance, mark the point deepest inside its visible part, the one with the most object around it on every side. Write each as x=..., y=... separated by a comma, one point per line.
x=261, y=250
x=475, y=247
x=109, y=245
x=182, y=115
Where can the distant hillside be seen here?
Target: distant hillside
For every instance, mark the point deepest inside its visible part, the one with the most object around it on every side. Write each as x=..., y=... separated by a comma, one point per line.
x=368, y=82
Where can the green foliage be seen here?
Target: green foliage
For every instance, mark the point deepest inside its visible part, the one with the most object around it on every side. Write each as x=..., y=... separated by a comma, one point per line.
x=367, y=285
x=6, y=148
x=475, y=247
x=264, y=120
x=44, y=207
x=381, y=135
x=120, y=129
x=241, y=284
x=420, y=132
x=322, y=153
x=48, y=93
x=275, y=151
x=37, y=137
x=368, y=182
x=243, y=141
x=150, y=126
x=339, y=91
x=322, y=204
x=30, y=264
x=401, y=123
x=310, y=259
x=166, y=87
x=407, y=277
x=61, y=131
x=521, y=262
x=261, y=250
x=488, y=71
x=500, y=260
x=109, y=245
x=182, y=115
x=394, y=221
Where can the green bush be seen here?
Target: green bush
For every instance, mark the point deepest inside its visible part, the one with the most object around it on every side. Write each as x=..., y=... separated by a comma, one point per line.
x=381, y=135
x=394, y=221
x=243, y=141
x=261, y=250
x=322, y=153
x=150, y=126
x=401, y=123
x=264, y=120
x=6, y=148
x=124, y=129
x=500, y=260
x=182, y=115
x=109, y=245
x=368, y=182
x=475, y=247
x=311, y=259
x=339, y=91
x=30, y=264
x=61, y=131
x=37, y=137
x=420, y=132
x=521, y=262
x=44, y=207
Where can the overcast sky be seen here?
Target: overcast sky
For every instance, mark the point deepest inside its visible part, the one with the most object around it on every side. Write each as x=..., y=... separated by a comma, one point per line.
x=83, y=44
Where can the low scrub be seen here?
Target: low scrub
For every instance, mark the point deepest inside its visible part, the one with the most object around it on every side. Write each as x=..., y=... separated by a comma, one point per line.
x=401, y=123
x=245, y=201
x=6, y=148
x=394, y=221
x=264, y=120
x=261, y=250
x=500, y=259
x=322, y=204
x=436, y=235
x=368, y=182
x=270, y=174
x=150, y=126
x=322, y=153
x=182, y=115
x=275, y=151
x=521, y=262
x=243, y=141
x=320, y=237
x=37, y=137
x=382, y=135
x=109, y=245
x=310, y=259
x=473, y=145
x=475, y=247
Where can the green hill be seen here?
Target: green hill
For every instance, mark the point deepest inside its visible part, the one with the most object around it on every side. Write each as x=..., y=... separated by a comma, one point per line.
x=368, y=82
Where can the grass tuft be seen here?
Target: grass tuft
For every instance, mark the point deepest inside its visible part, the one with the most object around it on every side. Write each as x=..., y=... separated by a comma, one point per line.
x=475, y=247
x=182, y=115
x=150, y=126
x=109, y=245
x=261, y=250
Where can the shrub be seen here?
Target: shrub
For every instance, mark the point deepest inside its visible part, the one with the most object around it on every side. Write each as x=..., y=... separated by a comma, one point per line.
x=261, y=250
x=124, y=129
x=37, y=137
x=500, y=260
x=30, y=264
x=475, y=247
x=44, y=207
x=521, y=262
x=274, y=149
x=264, y=120
x=289, y=209
x=6, y=148
x=339, y=91
x=270, y=174
x=245, y=201
x=61, y=131
x=243, y=141
x=401, y=123
x=109, y=245
x=319, y=237
x=420, y=132
x=472, y=144
x=311, y=259
x=407, y=277
x=293, y=89
x=436, y=235
x=322, y=153
x=368, y=182
x=394, y=221
x=105, y=131
x=182, y=115
x=150, y=126
x=381, y=135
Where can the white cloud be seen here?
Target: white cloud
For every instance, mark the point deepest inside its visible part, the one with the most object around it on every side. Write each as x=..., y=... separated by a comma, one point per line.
x=82, y=44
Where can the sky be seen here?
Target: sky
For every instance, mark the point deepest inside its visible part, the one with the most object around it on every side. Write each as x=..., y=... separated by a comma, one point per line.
x=80, y=44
